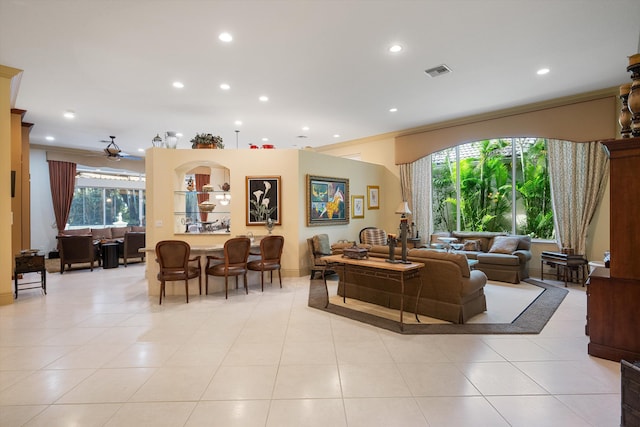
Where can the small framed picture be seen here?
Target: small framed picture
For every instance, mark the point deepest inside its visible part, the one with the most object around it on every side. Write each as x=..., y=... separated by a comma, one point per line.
x=373, y=197
x=357, y=206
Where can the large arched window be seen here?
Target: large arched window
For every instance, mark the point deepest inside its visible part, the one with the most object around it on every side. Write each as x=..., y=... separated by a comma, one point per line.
x=493, y=185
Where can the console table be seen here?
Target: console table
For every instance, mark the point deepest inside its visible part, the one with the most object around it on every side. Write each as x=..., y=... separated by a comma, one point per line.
x=567, y=263
x=379, y=268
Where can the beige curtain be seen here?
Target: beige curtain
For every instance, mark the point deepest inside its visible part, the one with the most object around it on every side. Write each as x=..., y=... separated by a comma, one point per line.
x=578, y=174
x=415, y=184
x=62, y=179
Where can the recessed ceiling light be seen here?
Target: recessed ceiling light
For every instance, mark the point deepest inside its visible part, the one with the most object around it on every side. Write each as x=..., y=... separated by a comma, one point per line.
x=225, y=37
x=141, y=150
x=337, y=135
x=179, y=135
x=49, y=138
x=305, y=128
x=69, y=114
x=178, y=85
x=395, y=48
x=542, y=71
x=265, y=139
x=238, y=122
x=225, y=86
x=264, y=98
x=393, y=110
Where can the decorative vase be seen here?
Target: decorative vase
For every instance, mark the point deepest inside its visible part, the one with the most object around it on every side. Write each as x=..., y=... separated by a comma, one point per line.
x=210, y=146
x=625, y=115
x=633, y=101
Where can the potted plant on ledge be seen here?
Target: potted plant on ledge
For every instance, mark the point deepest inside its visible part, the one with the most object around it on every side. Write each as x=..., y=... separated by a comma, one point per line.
x=206, y=140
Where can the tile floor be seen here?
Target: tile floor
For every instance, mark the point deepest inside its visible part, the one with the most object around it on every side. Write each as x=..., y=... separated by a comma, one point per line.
x=97, y=351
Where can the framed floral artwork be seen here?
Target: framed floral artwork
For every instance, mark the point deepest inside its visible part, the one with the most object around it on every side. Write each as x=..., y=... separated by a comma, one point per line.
x=327, y=200
x=373, y=197
x=264, y=200
x=357, y=206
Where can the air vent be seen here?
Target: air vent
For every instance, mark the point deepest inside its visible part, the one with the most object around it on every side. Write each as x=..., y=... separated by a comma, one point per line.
x=438, y=71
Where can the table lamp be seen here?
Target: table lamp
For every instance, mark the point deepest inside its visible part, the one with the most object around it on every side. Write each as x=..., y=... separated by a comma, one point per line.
x=403, y=209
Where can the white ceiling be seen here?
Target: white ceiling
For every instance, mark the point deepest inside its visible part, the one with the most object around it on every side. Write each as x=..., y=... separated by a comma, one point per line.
x=323, y=64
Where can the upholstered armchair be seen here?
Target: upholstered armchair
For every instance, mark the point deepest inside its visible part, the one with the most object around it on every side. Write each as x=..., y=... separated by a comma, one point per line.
x=77, y=249
x=318, y=247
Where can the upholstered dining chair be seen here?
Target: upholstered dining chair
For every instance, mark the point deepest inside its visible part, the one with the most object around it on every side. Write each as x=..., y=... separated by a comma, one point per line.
x=270, y=254
x=233, y=263
x=174, y=257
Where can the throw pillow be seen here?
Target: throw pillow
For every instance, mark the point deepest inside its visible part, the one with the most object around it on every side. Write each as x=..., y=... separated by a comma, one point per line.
x=504, y=245
x=321, y=244
x=471, y=245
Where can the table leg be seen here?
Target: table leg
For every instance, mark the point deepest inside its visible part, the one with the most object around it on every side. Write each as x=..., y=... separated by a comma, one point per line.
x=401, y=301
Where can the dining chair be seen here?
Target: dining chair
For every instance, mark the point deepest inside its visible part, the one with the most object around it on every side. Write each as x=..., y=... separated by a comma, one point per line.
x=176, y=264
x=270, y=254
x=233, y=263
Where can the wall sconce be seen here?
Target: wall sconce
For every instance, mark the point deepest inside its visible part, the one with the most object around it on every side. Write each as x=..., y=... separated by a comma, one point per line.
x=403, y=209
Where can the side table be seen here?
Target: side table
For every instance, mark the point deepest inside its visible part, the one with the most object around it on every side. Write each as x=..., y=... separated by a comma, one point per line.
x=109, y=255
x=30, y=262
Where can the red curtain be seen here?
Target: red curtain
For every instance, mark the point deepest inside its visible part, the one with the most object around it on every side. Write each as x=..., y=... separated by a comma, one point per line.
x=202, y=179
x=62, y=178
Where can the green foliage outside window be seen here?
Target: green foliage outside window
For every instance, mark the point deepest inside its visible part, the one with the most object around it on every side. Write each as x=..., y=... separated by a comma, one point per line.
x=93, y=207
x=486, y=185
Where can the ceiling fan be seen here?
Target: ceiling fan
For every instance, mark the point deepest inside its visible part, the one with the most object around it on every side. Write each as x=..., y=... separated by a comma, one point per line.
x=112, y=151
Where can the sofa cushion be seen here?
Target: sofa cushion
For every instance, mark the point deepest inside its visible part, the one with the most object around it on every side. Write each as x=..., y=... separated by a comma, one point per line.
x=498, y=259
x=77, y=232
x=118, y=232
x=321, y=244
x=504, y=244
x=101, y=233
x=473, y=245
x=375, y=236
x=138, y=228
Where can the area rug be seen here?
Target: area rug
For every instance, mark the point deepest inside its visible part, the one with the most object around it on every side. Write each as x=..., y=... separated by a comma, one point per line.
x=52, y=265
x=530, y=321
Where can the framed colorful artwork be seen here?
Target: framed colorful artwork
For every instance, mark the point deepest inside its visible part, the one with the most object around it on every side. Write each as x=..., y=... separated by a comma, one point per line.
x=373, y=197
x=327, y=200
x=263, y=200
x=357, y=206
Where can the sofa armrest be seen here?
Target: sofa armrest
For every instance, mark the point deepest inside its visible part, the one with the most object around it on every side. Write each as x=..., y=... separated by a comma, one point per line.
x=523, y=255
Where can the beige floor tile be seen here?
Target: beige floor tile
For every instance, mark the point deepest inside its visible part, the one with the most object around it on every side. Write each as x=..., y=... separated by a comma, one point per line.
x=167, y=414
x=307, y=412
x=242, y=382
x=536, y=411
x=467, y=411
x=384, y=412
x=238, y=413
x=70, y=415
x=308, y=353
x=569, y=377
x=601, y=410
x=175, y=384
x=362, y=351
x=18, y=416
x=108, y=385
x=500, y=378
x=307, y=381
x=143, y=355
x=43, y=387
x=436, y=379
x=372, y=380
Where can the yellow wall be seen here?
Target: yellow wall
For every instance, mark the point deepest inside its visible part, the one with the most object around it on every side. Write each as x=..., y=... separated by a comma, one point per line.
x=6, y=254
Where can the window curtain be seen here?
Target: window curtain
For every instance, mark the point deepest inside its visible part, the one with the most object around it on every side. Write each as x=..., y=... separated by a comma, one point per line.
x=62, y=179
x=415, y=185
x=578, y=173
x=201, y=180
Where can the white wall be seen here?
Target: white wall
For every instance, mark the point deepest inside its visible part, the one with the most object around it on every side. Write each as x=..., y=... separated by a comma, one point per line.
x=43, y=220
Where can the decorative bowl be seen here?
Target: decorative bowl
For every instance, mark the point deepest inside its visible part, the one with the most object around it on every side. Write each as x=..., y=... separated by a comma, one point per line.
x=207, y=206
x=207, y=188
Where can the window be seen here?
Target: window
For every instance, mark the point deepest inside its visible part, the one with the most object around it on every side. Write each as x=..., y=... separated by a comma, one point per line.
x=107, y=200
x=493, y=185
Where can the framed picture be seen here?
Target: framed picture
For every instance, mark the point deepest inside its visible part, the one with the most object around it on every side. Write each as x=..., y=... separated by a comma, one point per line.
x=357, y=206
x=263, y=200
x=373, y=197
x=327, y=200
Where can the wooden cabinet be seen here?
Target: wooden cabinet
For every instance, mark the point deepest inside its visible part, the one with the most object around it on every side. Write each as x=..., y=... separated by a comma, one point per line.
x=614, y=294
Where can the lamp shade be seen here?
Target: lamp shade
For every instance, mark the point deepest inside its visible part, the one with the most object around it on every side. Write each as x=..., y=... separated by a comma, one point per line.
x=403, y=208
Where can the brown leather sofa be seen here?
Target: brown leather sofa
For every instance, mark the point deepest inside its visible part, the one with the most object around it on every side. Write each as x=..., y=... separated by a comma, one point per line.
x=450, y=290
